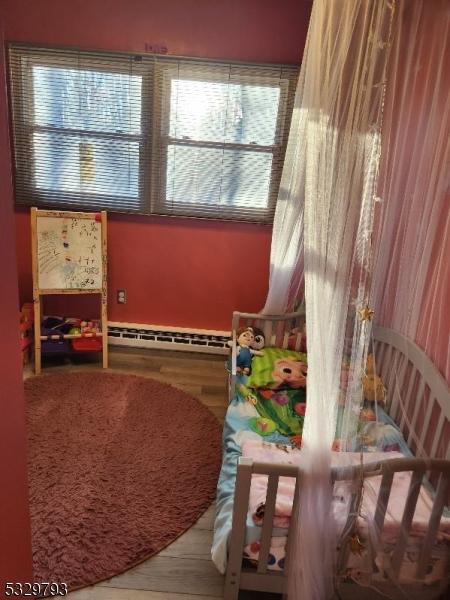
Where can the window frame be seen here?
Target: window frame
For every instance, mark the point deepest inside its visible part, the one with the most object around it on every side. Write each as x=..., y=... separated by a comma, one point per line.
x=157, y=73
x=162, y=125
x=73, y=199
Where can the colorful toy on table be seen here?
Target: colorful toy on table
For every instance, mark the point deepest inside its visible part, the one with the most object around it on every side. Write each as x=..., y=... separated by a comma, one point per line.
x=245, y=350
x=89, y=326
x=91, y=340
x=74, y=331
x=56, y=328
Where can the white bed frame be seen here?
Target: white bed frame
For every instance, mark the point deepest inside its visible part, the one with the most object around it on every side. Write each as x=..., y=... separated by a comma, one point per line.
x=424, y=419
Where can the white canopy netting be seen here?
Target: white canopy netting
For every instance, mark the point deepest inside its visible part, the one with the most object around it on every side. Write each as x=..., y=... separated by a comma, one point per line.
x=359, y=227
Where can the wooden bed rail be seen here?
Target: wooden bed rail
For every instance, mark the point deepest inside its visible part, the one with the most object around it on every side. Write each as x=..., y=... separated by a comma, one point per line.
x=236, y=577
x=275, y=581
x=418, y=469
x=418, y=397
x=276, y=327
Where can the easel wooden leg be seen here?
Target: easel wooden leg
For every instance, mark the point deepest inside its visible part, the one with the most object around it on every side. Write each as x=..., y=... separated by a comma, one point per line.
x=104, y=298
x=36, y=295
x=104, y=333
x=37, y=335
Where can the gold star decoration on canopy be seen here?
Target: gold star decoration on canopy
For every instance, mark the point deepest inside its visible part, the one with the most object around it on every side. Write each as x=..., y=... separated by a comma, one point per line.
x=366, y=313
x=356, y=545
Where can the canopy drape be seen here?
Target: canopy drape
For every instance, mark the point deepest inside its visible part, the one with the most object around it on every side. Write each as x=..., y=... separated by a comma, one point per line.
x=354, y=232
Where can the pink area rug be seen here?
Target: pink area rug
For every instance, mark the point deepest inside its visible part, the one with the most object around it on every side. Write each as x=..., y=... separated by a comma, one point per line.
x=119, y=467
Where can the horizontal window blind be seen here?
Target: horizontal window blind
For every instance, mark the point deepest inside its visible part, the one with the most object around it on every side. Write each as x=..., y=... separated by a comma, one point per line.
x=149, y=134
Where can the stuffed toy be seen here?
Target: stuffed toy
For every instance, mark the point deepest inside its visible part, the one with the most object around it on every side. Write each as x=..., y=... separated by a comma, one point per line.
x=259, y=339
x=245, y=338
x=380, y=436
x=366, y=415
x=373, y=387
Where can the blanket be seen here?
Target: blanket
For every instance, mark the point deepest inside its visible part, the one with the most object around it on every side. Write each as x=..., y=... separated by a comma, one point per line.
x=238, y=428
x=266, y=452
x=278, y=410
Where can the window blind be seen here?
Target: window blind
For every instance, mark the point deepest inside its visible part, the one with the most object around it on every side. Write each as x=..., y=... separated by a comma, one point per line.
x=149, y=134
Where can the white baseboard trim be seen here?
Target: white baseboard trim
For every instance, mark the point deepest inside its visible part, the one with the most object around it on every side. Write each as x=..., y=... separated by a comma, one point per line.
x=163, y=337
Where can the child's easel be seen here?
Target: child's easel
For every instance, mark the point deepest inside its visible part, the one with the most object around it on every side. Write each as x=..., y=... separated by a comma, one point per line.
x=69, y=257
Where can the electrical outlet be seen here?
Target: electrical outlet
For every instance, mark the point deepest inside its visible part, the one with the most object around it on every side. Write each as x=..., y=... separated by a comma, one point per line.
x=121, y=297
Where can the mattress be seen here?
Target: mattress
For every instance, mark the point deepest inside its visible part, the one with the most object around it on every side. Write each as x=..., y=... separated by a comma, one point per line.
x=261, y=451
x=364, y=560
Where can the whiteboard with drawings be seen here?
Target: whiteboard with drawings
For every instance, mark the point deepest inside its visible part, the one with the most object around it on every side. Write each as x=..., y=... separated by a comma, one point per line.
x=69, y=251
x=69, y=257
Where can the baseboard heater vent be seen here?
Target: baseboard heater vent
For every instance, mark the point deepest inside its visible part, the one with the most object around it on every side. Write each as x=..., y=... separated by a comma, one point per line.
x=168, y=338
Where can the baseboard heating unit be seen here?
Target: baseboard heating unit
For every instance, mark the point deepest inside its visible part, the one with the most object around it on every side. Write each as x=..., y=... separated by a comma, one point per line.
x=168, y=338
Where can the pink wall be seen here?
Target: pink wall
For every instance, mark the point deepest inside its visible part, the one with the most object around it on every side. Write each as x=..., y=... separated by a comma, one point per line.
x=15, y=541
x=414, y=184
x=433, y=333
x=176, y=271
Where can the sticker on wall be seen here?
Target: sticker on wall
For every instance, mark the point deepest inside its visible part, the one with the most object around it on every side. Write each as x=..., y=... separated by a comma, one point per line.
x=86, y=151
x=156, y=48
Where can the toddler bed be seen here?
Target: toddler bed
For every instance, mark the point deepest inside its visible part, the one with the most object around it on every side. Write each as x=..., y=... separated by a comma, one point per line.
x=260, y=478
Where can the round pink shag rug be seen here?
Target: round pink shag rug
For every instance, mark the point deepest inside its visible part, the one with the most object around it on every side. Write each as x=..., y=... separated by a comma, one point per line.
x=119, y=467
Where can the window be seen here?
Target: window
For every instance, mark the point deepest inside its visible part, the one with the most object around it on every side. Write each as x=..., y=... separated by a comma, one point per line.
x=149, y=134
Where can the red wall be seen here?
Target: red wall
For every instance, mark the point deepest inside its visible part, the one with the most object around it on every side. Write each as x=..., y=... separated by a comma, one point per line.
x=176, y=271
x=15, y=541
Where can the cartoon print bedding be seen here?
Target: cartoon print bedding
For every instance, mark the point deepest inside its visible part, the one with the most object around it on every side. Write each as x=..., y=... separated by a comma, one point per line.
x=278, y=410
x=265, y=452
x=277, y=389
x=269, y=406
x=360, y=566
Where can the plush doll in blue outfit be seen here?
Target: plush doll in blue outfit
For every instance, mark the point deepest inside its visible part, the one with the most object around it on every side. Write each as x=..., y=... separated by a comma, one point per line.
x=245, y=339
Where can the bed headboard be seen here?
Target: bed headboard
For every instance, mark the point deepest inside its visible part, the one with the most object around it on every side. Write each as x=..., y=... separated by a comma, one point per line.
x=279, y=330
x=418, y=397
x=282, y=331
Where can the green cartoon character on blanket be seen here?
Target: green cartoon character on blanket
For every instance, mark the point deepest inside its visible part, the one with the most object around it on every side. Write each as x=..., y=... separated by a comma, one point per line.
x=289, y=372
x=277, y=389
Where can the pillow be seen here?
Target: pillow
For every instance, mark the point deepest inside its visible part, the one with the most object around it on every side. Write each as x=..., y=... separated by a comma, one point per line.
x=278, y=369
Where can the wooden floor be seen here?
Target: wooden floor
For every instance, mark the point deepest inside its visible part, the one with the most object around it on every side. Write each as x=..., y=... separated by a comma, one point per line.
x=183, y=570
